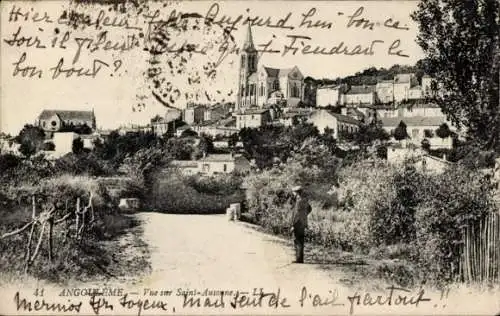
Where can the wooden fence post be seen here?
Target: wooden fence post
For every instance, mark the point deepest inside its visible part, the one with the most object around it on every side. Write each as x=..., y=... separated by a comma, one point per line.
x=77, y=211
x=30, y=237
x=51, y=223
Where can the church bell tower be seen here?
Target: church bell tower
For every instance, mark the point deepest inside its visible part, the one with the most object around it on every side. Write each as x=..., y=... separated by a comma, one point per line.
x=247, y=91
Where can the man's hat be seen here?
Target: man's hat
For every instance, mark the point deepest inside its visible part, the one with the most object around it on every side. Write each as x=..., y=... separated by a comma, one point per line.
x=297, y=188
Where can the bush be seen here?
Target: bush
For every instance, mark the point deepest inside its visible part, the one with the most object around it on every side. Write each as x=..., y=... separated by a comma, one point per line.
x=449, y=202
x=218, y=185
x=17, y=171
x=173, y=193
x=80, y=164
x=392, y=221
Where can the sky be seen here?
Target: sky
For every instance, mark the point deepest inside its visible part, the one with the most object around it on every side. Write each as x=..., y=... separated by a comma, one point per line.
x=35, y=40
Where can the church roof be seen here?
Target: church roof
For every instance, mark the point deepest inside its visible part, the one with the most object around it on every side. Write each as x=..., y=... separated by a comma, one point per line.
x=277, y=72
x=67, y=115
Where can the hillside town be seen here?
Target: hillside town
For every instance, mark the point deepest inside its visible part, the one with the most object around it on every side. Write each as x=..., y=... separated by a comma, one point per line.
x=274, y=97
x=372, y=173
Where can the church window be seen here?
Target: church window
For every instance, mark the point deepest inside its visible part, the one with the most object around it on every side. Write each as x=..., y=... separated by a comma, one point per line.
x=243, y=61
x=261, y=89
x=276, y=85
x=295, y=91
x=242, y=90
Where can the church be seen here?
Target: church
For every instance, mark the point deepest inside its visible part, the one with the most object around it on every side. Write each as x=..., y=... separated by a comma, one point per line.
x=260, y=86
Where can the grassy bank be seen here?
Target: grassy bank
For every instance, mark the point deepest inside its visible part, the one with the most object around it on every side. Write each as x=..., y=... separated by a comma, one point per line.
x=89, y=255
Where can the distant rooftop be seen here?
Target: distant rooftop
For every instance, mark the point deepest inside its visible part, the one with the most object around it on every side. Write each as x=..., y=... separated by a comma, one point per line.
x=413, y=121
x=253, y=111
x=361, y=89
x=219, y=158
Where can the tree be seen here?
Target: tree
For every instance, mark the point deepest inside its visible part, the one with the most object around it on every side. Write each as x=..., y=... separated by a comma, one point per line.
x=368, y=133
x=400, y=132
x=49, y=146
x=233, y=139
x=180, y=148
x=77, y=146
x=31, y=139
x=443, y=131
x=461, y=43
x=425, y=144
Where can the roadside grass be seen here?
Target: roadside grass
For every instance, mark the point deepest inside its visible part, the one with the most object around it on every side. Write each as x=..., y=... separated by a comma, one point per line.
x=97, y=255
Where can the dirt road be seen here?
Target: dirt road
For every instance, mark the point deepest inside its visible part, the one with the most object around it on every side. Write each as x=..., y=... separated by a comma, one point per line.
x=194, y=257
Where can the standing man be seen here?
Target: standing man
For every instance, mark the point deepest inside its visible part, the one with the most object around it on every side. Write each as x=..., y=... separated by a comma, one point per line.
x=298, y=222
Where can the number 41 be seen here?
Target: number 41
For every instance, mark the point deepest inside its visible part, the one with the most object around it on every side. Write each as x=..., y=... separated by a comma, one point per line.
x=38, y=292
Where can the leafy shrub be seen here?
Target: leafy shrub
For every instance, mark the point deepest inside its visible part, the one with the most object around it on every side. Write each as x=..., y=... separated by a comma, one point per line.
x=393, y=221
x=219, y=185
x=449, y=202
x=80, y=164
x=17, y=171
x=171, y=193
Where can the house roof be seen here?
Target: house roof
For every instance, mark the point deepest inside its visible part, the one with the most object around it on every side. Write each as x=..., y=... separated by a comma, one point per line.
x=403, y=78
x=294, y=114
x=218, y=158
x=361, y=89
x=385, y=82
x=419, y=105
x=230, y=121
x=345, y=118
x=67, y=115
x=331, y=87
x=413, y=121
x=355, y=111
x=253, y=111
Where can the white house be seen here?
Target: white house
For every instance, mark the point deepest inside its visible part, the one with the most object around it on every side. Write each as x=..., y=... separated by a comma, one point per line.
x=214, y=164
x=330, y=95
x=416, y=126
x=385, y=91
x=252, y=118
x=324, y=119
x=402, y=85
x=63, y=143
x=357, y=95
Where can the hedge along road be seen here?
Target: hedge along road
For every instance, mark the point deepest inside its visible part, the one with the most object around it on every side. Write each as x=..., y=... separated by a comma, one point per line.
x=199, y=252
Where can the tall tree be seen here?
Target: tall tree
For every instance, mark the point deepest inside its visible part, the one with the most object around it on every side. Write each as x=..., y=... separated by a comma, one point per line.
x=400, y=132
x=461, y=41
x=31, y=139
